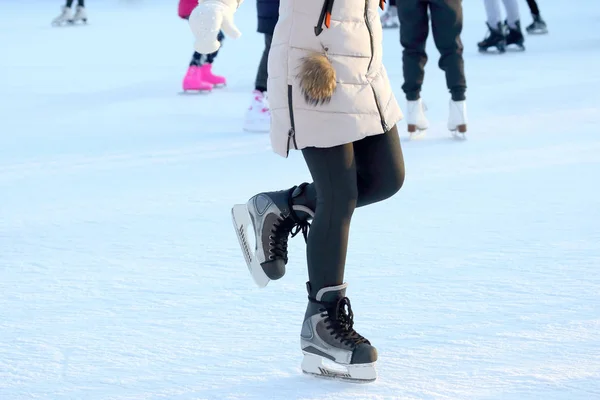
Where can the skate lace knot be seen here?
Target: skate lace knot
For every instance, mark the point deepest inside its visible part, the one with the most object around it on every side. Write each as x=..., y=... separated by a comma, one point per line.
x=341, y=323
x=284, y=227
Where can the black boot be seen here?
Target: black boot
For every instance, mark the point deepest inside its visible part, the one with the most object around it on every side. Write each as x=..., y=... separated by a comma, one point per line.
x=495, y=38
x=515, y=36
x=275, y=217
x=328, y=334
x=538, y=26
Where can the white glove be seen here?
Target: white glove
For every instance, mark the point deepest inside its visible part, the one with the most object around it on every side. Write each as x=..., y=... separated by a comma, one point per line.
x=208, y=19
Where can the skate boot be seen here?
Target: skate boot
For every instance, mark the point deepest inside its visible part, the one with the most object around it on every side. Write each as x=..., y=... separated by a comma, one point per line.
x=457, y=119
x=416, y=121
x=537, y=27
x=328, y=336
x=80, y=15
x=64, y=17
x=273, y=217
x=193, y=81
x=258, y=115
x=515, y=36
x=495, y=39
x=389, y=19
x=209, y=77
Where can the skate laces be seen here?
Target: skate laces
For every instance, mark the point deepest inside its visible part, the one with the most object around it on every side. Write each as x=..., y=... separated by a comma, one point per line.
x=281, y=231
x=341, y=323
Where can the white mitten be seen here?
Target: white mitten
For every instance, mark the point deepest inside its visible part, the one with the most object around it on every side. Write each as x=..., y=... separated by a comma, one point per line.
x=208, y=19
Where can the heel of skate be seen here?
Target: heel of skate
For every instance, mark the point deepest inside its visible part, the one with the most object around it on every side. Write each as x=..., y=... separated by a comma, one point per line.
x=242, y=224
x=323, y=368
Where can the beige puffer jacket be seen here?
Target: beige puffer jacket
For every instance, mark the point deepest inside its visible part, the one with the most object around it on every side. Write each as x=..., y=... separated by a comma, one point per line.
x=327, y=85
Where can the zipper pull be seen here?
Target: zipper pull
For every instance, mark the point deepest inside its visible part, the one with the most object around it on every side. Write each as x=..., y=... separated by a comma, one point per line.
x=382, y=4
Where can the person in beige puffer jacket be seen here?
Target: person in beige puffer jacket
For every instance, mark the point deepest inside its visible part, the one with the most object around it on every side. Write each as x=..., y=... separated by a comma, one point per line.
x=330, y=97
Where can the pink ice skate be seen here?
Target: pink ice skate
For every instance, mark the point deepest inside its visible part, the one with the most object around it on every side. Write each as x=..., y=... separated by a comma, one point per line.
x=193, y=81
x=207, y=76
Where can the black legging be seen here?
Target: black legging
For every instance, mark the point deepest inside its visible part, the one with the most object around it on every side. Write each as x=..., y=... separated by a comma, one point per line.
x=200, y=59
x=393, y=3
x=345, y=177
x=533, y=7
x=70, y=3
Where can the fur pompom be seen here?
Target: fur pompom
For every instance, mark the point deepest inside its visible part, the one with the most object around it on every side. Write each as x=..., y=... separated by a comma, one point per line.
x=317, y=79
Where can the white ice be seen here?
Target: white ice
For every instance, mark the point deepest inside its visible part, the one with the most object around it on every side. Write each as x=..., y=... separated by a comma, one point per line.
x=120, y=273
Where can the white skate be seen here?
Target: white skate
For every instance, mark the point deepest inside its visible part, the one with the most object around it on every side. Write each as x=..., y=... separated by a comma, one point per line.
x=457, y=119
x=258, y=115
x=415, y=119
x=64, y=18
x=80, y=15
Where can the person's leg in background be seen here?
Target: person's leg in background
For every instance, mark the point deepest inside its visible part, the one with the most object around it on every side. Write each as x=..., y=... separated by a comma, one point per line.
x=258, y=115
x=199, y=76
x=446, y=26
x=414, y=29
x=496, y=37
x=513, y=21
x=538, y=26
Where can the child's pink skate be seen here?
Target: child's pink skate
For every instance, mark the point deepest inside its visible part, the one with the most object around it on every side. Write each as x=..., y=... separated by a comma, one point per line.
x=207, y=76
x=193, y=81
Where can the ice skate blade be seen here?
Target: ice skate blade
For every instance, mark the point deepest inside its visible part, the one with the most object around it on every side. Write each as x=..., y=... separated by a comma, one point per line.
x=194, y=92
x=418, y=134
x=242, y=224
x=355, y=373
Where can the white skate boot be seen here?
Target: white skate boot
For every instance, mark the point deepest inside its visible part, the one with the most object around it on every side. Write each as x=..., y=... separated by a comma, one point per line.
x=64, y=18
x=457, y=119
x=80, y=15
x=415, y=119
x=328, y=337
x=258, y=115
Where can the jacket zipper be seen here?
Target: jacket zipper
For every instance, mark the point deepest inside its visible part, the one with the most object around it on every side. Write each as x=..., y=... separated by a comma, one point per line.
x=325, y=16
x=292, y=131
x=383, y=123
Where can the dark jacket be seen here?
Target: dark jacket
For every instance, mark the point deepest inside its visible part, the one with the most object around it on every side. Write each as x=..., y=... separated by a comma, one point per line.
x=268, y=14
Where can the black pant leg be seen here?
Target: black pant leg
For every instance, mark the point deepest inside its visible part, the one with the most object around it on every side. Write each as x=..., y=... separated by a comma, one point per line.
x=414, y=29
x=533, y=7
x=446, y=26
x=262, y=75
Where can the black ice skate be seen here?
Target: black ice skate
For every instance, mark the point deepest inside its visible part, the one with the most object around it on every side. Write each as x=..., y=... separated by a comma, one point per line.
x=495, y=39
x=328, y=337
x=538, y=26
x=273, y=218
x=515, y=36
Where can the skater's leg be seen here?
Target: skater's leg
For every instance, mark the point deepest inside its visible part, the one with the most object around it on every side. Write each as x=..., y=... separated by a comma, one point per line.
x=196, y=60
x=210, y=58
x=335, y=180
x=533, y=7
x=345, y=177
x=69, y=3
x=81, y=3
x=414, y=28
x=379, y=167
x=446, y=25
x=262, y=73
x=492, y=10
x=512, y=12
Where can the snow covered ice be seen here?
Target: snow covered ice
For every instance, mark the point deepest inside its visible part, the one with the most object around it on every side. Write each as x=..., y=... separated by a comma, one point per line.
x=121, y=276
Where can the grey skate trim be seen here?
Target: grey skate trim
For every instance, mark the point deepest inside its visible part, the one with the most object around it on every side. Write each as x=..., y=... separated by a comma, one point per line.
x=304, y=209
x=307, y=330
x=323, y=341
x=324, y=290
x=317, y=352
